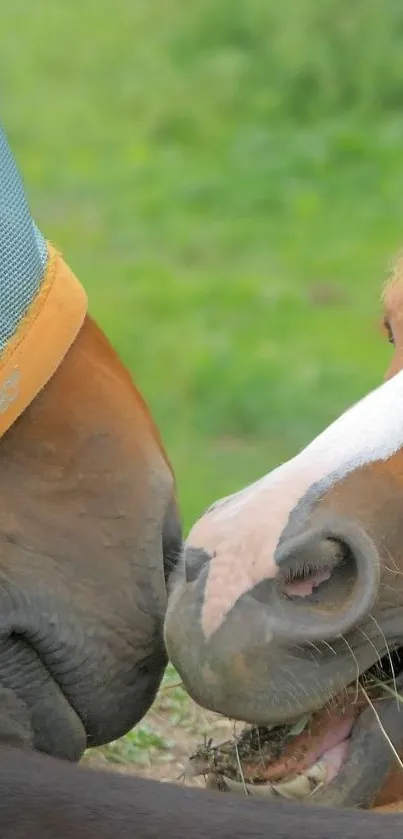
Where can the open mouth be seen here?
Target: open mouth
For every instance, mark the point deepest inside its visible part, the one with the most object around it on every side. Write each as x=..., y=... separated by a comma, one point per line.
x=340, y=755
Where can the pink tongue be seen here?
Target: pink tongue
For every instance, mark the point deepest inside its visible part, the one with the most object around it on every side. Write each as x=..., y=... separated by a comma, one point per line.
x=328, y=746
x=303, y=588
x=335, y=736
x=333, y=759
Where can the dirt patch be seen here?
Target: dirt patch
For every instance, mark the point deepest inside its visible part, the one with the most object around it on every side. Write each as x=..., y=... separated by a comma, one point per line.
x=161, y=745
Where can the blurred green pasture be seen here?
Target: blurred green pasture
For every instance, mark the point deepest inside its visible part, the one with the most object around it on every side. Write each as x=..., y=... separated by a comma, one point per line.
x=226, y=178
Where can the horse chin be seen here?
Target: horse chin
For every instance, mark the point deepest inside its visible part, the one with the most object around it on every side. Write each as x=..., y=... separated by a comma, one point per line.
x=343, y=757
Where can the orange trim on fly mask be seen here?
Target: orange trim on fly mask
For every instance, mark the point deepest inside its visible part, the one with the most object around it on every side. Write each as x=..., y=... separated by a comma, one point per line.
x=42, y=339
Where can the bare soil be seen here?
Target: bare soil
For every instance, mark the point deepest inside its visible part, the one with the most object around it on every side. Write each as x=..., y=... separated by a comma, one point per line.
x=164, y=740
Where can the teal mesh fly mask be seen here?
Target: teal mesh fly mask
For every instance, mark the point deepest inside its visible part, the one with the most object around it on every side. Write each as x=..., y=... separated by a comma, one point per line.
x=23, y=249
x=42, y=304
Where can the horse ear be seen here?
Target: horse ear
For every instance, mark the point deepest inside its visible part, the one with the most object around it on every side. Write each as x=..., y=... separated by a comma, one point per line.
x=42, y=304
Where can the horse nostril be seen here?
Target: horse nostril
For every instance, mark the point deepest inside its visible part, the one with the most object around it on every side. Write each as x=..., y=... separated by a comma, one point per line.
x=328, y=580
x=195, y=559
x=304, y=570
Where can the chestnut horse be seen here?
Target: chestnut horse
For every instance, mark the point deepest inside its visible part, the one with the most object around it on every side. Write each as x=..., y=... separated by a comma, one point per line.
x=46, y=798
x=289, y=598
x=89, y=525
x=89, y=538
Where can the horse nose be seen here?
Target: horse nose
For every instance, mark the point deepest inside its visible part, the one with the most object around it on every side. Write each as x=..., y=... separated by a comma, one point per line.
x=195, y=560
x=328, y=580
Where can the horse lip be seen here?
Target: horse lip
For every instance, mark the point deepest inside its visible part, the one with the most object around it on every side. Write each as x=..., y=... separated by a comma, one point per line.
x=369, y=759
x=366, y=765
x=63, y=744
x=368, y=749
x=374, y=730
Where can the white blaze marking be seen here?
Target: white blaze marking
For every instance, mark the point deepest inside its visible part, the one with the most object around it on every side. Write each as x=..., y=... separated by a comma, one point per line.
x=242, y=530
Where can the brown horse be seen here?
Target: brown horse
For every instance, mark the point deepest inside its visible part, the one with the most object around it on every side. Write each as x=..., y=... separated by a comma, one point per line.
x=289, y=599
x=89, y=536
x=88, y=522
x=45, y=798
x=89, y=526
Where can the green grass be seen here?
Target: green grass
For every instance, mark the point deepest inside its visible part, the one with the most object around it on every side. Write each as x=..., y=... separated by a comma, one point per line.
x=226, y=178
x=139, y=746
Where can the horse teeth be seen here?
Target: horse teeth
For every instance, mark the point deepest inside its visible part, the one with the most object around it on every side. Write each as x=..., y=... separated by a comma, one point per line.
x=259, y=790
x=299, y=787
x=317, y=772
